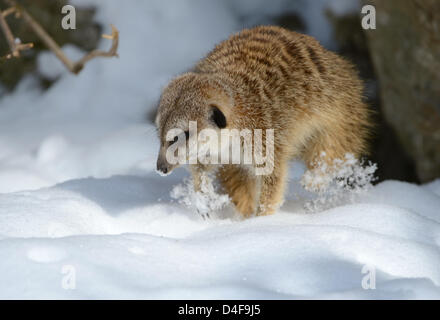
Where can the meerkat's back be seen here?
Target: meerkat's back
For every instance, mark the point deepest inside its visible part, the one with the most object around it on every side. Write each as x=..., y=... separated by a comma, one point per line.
x=277, y=60
x=286, y=80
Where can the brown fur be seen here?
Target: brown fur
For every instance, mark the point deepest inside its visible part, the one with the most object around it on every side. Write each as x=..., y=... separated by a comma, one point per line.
x=271, y=78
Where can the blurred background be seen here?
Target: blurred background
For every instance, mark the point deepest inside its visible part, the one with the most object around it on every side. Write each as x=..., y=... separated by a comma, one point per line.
x=47, y=116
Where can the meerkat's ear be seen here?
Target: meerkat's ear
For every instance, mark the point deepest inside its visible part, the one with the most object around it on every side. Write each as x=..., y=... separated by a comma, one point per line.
x=218, y=117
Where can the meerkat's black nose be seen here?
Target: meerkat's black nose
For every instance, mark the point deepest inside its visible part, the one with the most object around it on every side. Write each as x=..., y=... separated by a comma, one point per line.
x=162, y=167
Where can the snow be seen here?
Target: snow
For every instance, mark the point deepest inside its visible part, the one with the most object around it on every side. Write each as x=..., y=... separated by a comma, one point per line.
x=79, y=192
x=204, y=202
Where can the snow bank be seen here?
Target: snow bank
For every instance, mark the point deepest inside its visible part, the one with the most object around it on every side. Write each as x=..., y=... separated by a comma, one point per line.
x=84, y=215
x=124, y=243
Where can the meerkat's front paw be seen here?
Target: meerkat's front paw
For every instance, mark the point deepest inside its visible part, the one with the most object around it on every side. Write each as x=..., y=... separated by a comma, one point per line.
x=244, y=206
x=269, y=209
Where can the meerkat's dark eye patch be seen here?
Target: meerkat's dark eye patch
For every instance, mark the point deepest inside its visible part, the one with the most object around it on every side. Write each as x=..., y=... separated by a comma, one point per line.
x=176, y=138
x=218, y=117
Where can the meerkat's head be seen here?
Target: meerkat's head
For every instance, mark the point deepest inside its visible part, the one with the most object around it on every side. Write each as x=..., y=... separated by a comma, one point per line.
x=189, y=99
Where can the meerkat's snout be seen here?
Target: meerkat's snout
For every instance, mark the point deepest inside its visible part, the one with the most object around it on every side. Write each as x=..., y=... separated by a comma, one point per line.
x=163, y=167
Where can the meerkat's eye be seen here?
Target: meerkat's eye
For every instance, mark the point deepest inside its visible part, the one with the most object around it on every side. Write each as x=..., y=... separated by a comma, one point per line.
x=218, y=117
x=174, y=140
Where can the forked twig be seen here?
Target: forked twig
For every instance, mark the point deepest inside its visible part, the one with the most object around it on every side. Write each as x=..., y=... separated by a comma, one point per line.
x=74, y=67
x=15, y=47
x=113, y=52
x=9, y=11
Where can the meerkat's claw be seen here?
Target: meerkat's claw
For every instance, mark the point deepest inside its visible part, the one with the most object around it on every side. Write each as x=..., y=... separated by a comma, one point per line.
x=205, y=216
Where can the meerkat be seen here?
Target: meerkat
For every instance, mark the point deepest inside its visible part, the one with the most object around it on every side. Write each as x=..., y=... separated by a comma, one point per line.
x=269, y=78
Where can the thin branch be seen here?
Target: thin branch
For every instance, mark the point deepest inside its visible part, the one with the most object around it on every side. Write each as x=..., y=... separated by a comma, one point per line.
x=9, y=36
x=113, y=52
x=9, y=11
x=24, y=46
x=74, y=67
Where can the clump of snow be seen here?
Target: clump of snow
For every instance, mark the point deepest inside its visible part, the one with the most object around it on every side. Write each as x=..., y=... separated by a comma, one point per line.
x=338, y=183
x=206, y=201
x=78, y=191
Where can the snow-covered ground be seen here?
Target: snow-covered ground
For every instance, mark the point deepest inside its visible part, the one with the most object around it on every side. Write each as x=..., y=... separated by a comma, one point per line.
x=84, y=215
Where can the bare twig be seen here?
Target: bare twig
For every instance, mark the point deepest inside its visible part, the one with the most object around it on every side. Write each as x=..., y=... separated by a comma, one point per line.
x=113, y=52
x=74, y=67
x=9, y=11
x=9, y=36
